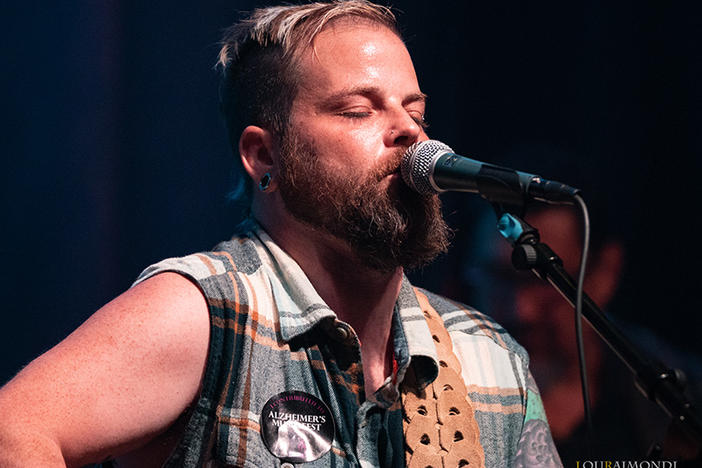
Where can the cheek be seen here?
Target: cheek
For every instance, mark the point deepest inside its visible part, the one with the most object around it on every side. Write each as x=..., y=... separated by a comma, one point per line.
x=355, y=150
x=542, y=305
x=368, y=143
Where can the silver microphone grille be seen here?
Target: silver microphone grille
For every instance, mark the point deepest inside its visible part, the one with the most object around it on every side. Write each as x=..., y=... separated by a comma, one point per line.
x=417, y=165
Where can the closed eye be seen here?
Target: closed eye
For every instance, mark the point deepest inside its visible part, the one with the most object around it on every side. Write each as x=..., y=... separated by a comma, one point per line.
x=355, y=114
x=421, y=121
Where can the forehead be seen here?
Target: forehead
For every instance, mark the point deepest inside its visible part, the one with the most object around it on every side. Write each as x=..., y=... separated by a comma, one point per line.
x=560, y=229
x=352, y=52
x=347, y=28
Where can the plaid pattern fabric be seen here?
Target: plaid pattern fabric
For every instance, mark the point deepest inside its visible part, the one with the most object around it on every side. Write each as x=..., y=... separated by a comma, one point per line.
x=271, y=332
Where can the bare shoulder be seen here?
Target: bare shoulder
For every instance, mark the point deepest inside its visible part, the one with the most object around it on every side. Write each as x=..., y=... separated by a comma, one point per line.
x=121, y=378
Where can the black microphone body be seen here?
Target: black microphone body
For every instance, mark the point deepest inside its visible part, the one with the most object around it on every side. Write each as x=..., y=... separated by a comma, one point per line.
x=432, y=167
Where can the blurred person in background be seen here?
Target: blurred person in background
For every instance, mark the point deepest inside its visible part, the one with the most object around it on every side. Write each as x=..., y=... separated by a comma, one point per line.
x=626, y=424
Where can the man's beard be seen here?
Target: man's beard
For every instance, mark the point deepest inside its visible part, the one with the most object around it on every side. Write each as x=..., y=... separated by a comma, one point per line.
x=385, y=227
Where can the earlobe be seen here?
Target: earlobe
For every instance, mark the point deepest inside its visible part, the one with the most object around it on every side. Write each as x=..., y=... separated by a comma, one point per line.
x=256, y=152
x=606, y=272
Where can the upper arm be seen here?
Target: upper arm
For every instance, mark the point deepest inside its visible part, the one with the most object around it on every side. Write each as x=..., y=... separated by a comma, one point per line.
x=122, y=377
x=536, y=447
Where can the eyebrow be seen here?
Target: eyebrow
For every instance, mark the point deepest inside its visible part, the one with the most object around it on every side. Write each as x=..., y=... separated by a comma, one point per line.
x=368, y=91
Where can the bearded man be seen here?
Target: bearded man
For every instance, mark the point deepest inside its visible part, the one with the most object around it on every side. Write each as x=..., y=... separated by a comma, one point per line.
x=300, y=341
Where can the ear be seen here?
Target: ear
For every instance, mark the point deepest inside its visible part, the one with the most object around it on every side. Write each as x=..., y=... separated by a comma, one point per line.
x=604, y=276
x=256, y=151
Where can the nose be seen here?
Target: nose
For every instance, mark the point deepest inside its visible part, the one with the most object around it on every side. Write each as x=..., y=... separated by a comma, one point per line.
x=403, y=130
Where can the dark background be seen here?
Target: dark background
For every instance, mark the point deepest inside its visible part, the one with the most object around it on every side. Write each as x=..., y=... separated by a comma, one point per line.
x=114, y=154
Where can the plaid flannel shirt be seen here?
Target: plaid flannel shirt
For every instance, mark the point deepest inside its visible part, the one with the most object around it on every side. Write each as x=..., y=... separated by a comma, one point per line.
x=271, y=332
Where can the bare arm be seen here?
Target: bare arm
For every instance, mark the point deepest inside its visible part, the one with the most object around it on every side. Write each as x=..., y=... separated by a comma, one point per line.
x=120, y=379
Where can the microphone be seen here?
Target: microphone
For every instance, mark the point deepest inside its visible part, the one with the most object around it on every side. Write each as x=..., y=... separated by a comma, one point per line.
x=432, y=167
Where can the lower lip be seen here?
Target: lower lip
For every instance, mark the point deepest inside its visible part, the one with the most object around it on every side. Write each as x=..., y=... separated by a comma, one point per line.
x=394, y=181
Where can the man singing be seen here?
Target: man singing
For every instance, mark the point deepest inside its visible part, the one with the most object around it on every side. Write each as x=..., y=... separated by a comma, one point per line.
x=299, y=342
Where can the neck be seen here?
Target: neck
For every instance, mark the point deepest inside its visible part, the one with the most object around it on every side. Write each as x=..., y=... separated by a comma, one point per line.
x=359, y=295
x=356, y=293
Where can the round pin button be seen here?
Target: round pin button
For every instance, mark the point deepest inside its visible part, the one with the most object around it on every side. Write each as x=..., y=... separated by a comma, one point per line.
x=297, y=427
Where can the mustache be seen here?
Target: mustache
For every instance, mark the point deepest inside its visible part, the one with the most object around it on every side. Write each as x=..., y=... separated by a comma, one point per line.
x=388, y=166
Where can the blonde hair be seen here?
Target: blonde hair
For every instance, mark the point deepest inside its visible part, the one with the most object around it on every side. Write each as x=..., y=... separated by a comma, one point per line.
x=294, y=27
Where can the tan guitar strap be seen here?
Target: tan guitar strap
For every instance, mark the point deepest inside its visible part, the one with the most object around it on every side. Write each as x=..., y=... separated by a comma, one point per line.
x=439, y=422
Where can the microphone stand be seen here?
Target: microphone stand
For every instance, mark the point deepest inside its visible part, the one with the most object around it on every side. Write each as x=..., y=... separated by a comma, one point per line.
x=658, y=383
